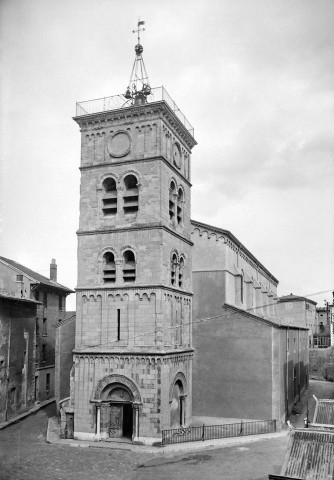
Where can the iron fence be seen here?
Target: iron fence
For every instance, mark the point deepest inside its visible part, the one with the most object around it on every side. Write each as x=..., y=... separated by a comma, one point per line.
x=210, y=432
x=116, y=102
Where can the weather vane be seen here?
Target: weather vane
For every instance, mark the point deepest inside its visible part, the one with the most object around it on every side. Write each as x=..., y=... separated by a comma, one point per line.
x=139, y=86
x=140, y=22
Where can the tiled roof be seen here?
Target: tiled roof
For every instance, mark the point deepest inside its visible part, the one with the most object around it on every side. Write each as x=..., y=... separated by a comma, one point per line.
x=324, y=412
x=310, y=455
x=35, y=276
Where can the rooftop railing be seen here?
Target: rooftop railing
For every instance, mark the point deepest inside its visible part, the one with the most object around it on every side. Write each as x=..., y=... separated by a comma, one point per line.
x=116, y=102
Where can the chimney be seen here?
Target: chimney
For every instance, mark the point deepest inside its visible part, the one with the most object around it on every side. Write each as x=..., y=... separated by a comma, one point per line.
x=53, y=270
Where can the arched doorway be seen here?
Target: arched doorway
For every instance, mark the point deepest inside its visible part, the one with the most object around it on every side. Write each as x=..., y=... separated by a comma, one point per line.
x=116, y=412
x=117, y=400
x=177, y=397
x=176, y=407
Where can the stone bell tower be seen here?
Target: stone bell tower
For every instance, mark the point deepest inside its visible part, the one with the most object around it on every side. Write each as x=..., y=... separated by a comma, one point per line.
x=133, y=353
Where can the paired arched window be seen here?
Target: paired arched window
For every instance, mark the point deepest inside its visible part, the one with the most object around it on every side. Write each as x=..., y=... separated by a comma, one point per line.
x=172, y=189
x=176, y=200
x=179, y=215
x=109, y=200
x=109, y=268
x=173, y=269
x=181, y=269
x=131, y=195
x=129, y=266
x=177, y=270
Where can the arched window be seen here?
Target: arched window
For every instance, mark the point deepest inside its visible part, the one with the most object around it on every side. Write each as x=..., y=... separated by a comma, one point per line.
x=173, y=269
x=179, y=205
x=109, y=268
x=181, y=268
x=172, y=200
x=109, y=200
x=129, y=266
x=130, y=197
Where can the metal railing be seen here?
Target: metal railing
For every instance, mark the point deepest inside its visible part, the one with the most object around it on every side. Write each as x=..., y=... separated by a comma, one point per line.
x=116, y=102
x=210, y=432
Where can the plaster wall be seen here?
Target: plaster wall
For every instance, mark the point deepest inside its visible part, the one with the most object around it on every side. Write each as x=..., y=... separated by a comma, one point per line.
x=17, y=358
x=65, y=342
x=10, y=284
x=233, y=357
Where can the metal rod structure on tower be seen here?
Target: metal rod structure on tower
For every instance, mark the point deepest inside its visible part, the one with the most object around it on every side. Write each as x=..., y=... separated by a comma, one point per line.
x=139, y=86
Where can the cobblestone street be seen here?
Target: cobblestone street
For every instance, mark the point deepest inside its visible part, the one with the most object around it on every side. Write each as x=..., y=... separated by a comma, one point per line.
x=252, y=461
x=319, y=388
x=25, y=455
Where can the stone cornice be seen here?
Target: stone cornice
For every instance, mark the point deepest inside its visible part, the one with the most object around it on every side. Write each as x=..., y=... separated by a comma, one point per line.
x=237, y=246
x=152, y=226
x=160, y=108
x=128, y=352
x=135, y=287
x=136, y=160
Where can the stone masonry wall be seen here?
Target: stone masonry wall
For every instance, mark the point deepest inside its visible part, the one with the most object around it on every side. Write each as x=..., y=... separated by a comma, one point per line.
x=17, y=333
x=321, y=360
x=153, y=377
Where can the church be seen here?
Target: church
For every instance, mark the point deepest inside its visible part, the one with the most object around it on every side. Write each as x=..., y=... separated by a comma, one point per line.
x=133, y=354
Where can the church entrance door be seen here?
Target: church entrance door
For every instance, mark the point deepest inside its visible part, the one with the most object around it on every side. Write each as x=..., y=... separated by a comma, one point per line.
x=127, y=420
x=117, y=411
x=121, y=420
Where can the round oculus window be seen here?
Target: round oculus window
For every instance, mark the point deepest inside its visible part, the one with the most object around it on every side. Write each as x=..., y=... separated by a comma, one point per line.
x=119, y=144
x=177, y=159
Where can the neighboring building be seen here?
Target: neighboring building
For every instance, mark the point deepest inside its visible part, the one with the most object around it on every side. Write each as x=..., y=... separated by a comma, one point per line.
x=17, y=355
x=248, y=363
x=22, y=282
x=133, y=351
x=300, y=311
x=322, y=335
x=65, y=342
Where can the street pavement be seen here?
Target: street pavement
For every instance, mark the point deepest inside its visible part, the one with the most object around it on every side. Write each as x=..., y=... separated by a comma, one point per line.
x=25, y=455
x=319, y=388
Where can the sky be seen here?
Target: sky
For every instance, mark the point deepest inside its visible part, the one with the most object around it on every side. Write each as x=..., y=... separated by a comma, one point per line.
x=254, y=78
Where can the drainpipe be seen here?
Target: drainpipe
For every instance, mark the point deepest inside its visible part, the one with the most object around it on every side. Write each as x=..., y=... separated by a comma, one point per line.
x=8, y=360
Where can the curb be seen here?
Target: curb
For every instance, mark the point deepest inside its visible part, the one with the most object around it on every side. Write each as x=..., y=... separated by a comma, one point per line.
x=53, y=437
x=23, y=415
